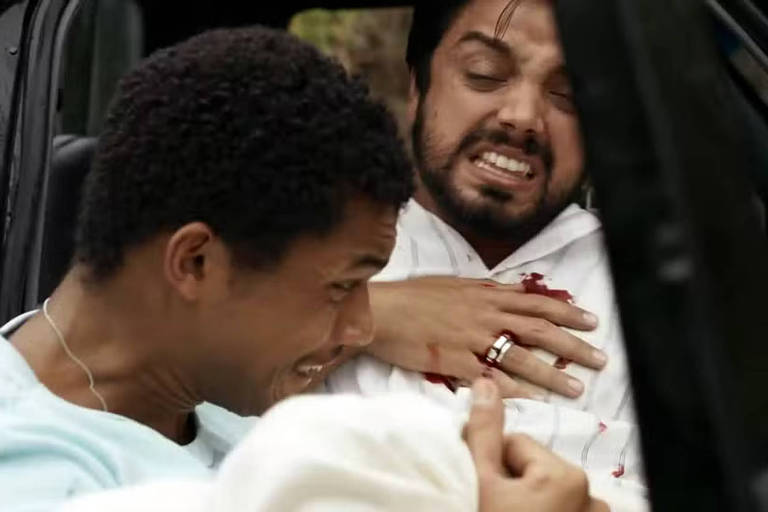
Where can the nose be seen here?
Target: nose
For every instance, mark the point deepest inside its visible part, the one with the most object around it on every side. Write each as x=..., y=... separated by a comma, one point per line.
x=354, y=325
x=520, y=112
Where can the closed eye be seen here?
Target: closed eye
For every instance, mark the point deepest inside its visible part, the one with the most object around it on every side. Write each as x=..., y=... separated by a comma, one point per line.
x=346, y=286
x=484, y=78
x=339, y=290
x=484, y=82
x=563, y=101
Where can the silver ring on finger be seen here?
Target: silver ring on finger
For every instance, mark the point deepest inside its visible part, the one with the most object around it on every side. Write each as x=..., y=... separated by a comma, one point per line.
x=495, y=354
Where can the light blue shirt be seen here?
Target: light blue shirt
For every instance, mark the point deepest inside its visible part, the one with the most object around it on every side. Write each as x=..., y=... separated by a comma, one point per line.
x=51, y=449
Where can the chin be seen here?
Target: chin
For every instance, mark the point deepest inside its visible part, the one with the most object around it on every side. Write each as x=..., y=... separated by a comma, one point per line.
x=497, y=205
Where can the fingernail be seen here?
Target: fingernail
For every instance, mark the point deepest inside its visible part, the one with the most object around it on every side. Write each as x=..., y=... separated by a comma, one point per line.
x=483, y=392
x=576, y=385
x=590, y=319
x=599, y=357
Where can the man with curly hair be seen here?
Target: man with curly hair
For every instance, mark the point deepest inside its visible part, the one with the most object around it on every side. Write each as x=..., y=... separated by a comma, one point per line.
x=243, y=191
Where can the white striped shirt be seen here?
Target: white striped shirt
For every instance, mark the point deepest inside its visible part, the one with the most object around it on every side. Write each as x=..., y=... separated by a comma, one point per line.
x=595, y=430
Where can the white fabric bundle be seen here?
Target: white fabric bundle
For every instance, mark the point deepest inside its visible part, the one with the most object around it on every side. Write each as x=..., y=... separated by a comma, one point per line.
x=394, y=452
x=323, y=454
x=600, y=448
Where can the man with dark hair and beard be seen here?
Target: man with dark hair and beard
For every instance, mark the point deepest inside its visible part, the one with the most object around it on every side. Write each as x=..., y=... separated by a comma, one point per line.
x=496, y=269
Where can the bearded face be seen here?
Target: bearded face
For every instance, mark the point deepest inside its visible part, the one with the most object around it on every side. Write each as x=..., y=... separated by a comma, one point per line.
x=496, y=137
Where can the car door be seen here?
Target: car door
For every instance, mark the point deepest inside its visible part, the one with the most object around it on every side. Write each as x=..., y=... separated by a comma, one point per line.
x=672, y=148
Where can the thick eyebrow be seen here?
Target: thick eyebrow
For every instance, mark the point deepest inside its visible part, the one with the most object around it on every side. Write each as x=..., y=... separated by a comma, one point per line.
x=494, y=44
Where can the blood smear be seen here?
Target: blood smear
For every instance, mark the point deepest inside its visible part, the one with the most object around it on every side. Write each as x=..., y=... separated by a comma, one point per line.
x=434, y=357
x=532, y=284
x=434, y=363
x=619, y=471
x=435, y=378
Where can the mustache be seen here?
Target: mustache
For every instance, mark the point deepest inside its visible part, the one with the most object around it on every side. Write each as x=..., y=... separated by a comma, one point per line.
x=530, y=145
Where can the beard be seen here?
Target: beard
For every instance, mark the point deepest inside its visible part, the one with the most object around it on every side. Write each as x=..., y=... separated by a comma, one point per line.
x=486, y=216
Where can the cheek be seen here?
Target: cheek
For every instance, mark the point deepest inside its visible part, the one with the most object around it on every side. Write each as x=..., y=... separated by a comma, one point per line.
x=313, y=333
x=453, y=111
x=304, y=334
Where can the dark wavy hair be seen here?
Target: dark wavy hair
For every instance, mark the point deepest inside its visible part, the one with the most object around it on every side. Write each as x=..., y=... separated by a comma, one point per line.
x=431, y=20
x=250, y=131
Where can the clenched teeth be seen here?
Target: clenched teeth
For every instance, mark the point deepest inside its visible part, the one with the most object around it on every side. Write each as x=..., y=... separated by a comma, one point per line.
x=310, y=370
x=501, y=162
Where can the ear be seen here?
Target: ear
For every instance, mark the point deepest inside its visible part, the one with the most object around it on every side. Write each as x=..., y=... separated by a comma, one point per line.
x=193, y=258
x=413, y=99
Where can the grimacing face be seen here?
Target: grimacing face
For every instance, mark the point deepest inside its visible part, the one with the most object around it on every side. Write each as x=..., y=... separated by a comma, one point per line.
x=496, y=136
x=281, y=330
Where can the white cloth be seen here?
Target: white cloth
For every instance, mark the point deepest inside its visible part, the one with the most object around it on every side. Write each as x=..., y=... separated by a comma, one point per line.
x=330, y=453
x=596, y=430
x=325, y=454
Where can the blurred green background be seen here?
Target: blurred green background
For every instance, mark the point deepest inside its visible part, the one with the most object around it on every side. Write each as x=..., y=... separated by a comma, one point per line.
x=367, y=42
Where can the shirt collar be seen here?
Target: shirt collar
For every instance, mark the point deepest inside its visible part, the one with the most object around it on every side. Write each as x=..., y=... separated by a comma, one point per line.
x=572, y=224
x=12, y=363
x=17, y=322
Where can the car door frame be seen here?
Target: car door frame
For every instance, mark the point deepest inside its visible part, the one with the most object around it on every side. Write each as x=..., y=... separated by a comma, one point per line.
x=27, y=145
x=665, y=146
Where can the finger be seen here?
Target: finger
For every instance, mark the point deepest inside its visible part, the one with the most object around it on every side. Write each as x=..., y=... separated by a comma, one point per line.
x=547, y=336
x=514, y=388
x=557, y=312
x=483, y=430
x=523, y=363
x=490, y=283
x=521, y=452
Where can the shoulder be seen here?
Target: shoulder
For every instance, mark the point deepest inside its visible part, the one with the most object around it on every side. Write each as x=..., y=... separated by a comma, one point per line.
x=16, y=377
x=42, y=466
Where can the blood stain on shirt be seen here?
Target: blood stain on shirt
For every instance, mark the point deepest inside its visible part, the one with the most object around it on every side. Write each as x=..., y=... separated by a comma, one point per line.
x=533, y=284
x=619, y=471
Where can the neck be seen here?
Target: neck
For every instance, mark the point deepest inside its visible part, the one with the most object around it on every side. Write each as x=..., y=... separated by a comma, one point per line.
x=109, y=327
x=492, y=250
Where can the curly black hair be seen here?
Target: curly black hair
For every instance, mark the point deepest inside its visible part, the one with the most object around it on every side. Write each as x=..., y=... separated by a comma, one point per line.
x=250, y=131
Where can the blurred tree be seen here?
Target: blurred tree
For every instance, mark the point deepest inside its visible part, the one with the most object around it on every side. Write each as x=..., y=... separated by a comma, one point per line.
x=368, y=42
